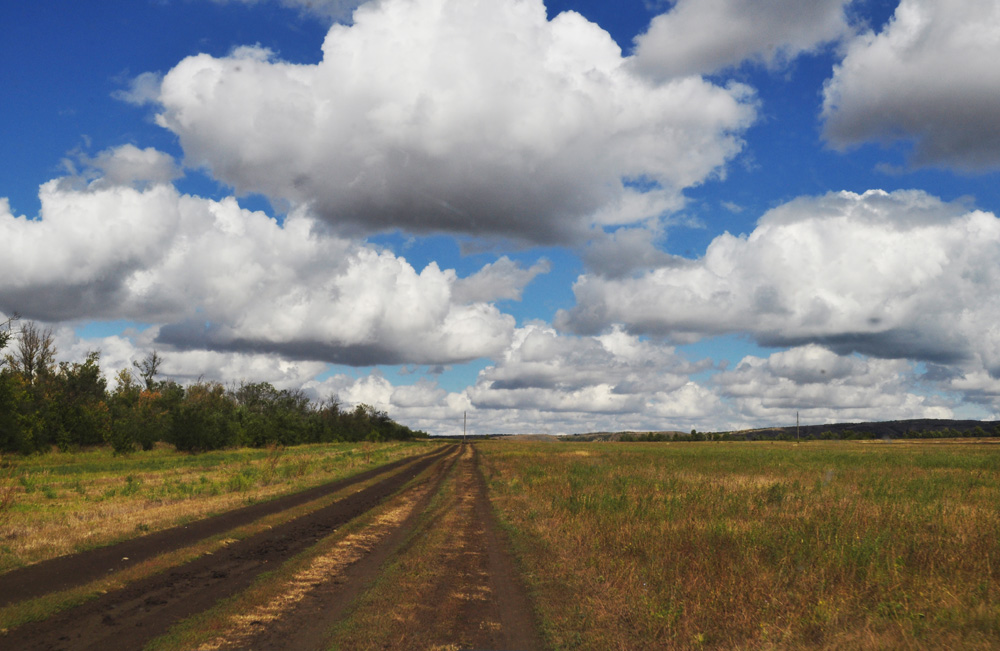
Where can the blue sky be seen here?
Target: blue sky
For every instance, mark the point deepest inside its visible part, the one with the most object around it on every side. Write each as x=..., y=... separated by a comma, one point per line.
x=559, y=217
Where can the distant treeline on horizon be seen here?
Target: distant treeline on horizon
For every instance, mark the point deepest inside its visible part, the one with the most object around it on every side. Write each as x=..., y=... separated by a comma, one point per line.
x=924, y=428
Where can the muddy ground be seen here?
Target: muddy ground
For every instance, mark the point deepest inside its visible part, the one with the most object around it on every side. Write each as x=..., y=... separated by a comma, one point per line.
x=148, y=608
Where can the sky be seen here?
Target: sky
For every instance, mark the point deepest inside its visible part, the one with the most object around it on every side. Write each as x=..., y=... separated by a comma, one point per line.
x=566, y=217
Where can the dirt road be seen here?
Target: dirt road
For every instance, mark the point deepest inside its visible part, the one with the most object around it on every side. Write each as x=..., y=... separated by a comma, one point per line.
x=318, y=576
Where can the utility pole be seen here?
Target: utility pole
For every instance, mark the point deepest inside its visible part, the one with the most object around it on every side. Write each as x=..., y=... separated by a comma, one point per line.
x=465, y=423
x=796, y=427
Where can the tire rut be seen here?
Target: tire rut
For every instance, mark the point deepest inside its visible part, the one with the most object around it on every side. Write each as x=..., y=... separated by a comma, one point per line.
x=146, y=609
x=65, y=572
x=307, y=626
x=451, y=585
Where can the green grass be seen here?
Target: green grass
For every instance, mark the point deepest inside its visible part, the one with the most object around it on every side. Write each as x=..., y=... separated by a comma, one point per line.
x=756, y=545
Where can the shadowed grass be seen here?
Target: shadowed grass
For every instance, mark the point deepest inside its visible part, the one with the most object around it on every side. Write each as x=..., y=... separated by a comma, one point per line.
x=756, y=545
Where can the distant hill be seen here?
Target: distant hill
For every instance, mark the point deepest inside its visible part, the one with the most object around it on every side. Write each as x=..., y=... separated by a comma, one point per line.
x=630, y=435
x=891, y=429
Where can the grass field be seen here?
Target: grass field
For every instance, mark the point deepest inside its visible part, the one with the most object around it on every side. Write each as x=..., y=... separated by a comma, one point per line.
x=755, y=545
x=59, y=503
x=762, y=545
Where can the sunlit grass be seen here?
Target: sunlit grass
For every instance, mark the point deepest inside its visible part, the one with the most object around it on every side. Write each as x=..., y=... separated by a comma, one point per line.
x=65, y=502
x=759, y=545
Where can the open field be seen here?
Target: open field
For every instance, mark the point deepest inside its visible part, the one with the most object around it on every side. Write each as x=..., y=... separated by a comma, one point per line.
x=530, y=544
x=756, y=545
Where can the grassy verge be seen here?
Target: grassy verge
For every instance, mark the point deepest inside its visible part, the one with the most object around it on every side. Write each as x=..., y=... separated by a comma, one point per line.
x=756, y=545
x=18, y=614
x=65, y=502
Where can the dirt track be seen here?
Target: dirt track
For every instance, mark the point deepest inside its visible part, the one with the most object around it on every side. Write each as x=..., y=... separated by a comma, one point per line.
x=148, y=608
x=77, y=569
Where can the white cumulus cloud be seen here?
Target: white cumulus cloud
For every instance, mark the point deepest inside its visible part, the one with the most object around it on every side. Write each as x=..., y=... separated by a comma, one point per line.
x=129, y=166
x=892, y=275
x=930, y=77
x=614, y=373
x=825, y=387
x=503, y=279
x=551, y=383
x=218, y=277
x=705, y=36
x=470, y=116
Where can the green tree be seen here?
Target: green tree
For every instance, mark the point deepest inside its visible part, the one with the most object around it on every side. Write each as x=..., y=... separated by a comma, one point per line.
x=271, y=416
x=10, y=430
x=140, y=417
x=82, y=391
x=206, y=419
x=30, y=367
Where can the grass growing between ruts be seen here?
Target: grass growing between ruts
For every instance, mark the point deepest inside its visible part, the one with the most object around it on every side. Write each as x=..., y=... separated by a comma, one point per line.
x=755, y=545
x=418, y=601
x=65, y=502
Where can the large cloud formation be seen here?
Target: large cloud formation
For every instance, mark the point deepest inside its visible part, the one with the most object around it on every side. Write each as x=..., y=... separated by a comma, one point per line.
x=551, y=383
x=892, y=275
x=464, y=116
x=614, y=373
x=825, y=387
x=705, y=36
x=930, y=77
x=224, y=278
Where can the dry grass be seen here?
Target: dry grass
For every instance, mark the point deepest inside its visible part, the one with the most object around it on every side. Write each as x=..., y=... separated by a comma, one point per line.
x=61, y=503
x=744, y=545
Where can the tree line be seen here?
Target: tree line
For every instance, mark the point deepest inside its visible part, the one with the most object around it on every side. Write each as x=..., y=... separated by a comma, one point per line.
x=46, y=404
x=788, y=434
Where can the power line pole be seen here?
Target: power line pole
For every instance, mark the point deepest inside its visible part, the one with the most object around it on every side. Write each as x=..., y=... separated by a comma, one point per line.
x=465, y=423
x=796, y=427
